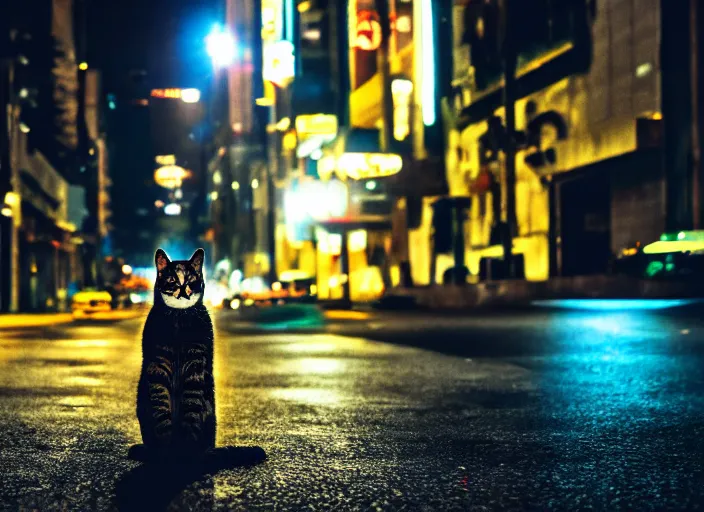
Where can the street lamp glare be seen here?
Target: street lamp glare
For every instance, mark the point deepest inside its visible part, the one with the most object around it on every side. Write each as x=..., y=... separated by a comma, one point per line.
x=221, y=46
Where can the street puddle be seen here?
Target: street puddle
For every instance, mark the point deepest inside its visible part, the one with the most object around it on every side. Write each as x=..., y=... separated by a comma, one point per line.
x=310, y=396
x=77, y=402
x=80, y=380
x=313, y=366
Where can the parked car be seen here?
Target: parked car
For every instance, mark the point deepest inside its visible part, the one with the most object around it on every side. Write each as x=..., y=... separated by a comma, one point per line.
x=90, y=301
x=292, y=287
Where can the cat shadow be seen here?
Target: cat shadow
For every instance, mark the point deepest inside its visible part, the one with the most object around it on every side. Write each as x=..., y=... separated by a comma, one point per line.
x=152, y=486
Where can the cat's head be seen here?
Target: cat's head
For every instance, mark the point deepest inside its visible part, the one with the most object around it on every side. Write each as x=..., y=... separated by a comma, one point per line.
x=180, y=283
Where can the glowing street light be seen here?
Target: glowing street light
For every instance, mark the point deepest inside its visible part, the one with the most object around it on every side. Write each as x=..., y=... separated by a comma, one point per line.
x=172, y=209
x=126, y=269
x=221, y=46
x=190, y=95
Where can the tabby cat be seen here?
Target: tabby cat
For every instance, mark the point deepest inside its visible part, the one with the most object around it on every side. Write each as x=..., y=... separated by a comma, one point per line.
x=176, y=391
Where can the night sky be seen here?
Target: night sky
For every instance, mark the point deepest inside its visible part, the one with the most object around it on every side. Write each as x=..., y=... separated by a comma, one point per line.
x=141, y=45
x=163, y=37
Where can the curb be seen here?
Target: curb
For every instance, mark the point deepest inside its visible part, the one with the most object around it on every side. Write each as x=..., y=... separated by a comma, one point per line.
x=32, y=320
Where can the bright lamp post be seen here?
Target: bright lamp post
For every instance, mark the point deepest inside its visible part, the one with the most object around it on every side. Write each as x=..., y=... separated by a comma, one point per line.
x=220, y=45
x=221, y=48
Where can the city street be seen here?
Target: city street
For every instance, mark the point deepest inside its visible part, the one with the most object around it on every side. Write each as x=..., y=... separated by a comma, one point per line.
x=534, y=409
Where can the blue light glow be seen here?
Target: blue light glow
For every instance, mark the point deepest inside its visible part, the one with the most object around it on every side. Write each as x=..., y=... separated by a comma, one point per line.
x=428, y=47
x=288, y=28
x=614, y=304
x=220, y=45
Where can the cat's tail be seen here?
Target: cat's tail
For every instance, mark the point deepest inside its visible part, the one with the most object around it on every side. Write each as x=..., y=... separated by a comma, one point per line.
x=213, y=460
x=228, y=457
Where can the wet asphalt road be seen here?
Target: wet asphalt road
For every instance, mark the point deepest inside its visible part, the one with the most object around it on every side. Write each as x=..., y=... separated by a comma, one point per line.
x=511, y=411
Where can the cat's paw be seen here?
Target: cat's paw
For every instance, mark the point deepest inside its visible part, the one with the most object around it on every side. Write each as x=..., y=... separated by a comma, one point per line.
x=225, y=457
x=138, y=452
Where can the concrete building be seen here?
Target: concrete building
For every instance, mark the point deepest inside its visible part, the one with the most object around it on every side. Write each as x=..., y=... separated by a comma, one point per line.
x=362, y=143
x=603, y=95
x=38, y=249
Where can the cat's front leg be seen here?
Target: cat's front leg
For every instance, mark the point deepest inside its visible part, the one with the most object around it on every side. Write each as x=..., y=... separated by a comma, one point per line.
x=195, y=406
x=160, y=385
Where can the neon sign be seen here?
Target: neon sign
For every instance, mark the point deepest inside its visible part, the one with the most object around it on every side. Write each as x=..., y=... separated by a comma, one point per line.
x=172, y=93
x=279, y=63
x=171, y=176
x=360, y=166
x=367, y=31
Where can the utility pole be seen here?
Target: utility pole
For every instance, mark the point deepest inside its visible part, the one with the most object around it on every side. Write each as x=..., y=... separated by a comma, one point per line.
x=272, y=170
x=382, y=9
x=510, y=62
x=694, y=18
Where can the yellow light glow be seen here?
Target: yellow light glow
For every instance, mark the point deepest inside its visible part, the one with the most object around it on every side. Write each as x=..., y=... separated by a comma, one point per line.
x=255, y=183
x=83, y=66
x=166, y=159
x=6, y=211
x=656, y=116
x=663, y=247
x=326, y=166
x=171, y=93
x=235, y=185
x=12, y=198
x=126, y=269
x=313, y=396
x=401, y=91
x=319, y=365
x=283, y=124
x=357, y=240
x=278, y=62
x=304, y=6
x=171, y=176
x=91, y=151
x=276, y=286
x=316, y=124
x=369, y=165
x=289, y=141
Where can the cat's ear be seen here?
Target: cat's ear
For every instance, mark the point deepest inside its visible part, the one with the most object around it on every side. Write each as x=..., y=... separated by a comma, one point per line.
x=161, y=260
x=196, y=260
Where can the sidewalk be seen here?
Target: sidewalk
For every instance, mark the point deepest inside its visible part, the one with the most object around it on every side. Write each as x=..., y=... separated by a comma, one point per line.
x=29, y=320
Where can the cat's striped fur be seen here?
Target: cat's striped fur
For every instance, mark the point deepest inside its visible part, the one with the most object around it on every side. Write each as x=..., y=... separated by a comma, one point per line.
x=176, y=391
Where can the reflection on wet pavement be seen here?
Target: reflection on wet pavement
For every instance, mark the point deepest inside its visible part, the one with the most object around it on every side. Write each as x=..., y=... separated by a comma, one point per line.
x=563, y=411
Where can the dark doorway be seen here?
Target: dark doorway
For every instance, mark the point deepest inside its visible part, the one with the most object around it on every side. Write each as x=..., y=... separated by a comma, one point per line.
x=585, y=227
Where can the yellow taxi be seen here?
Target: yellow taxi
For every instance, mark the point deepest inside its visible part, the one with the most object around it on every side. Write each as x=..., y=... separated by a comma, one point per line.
x=88, y=302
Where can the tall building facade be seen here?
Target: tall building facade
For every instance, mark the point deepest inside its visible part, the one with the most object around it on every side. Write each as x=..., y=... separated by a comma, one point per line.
x=39, y=250
x=605, y=134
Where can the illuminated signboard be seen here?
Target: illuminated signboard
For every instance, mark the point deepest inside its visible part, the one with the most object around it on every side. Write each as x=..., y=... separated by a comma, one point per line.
x=360, y=166
x=401, y=90
x=314, y=131
x=186, y=95
x=367, y=31
x=279, y=63
x=166, y=159
x=171, y=176
x=166, y=93
x=316, y=124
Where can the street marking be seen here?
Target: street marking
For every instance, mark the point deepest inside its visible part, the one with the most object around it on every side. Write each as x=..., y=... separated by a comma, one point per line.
x=346, y=315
